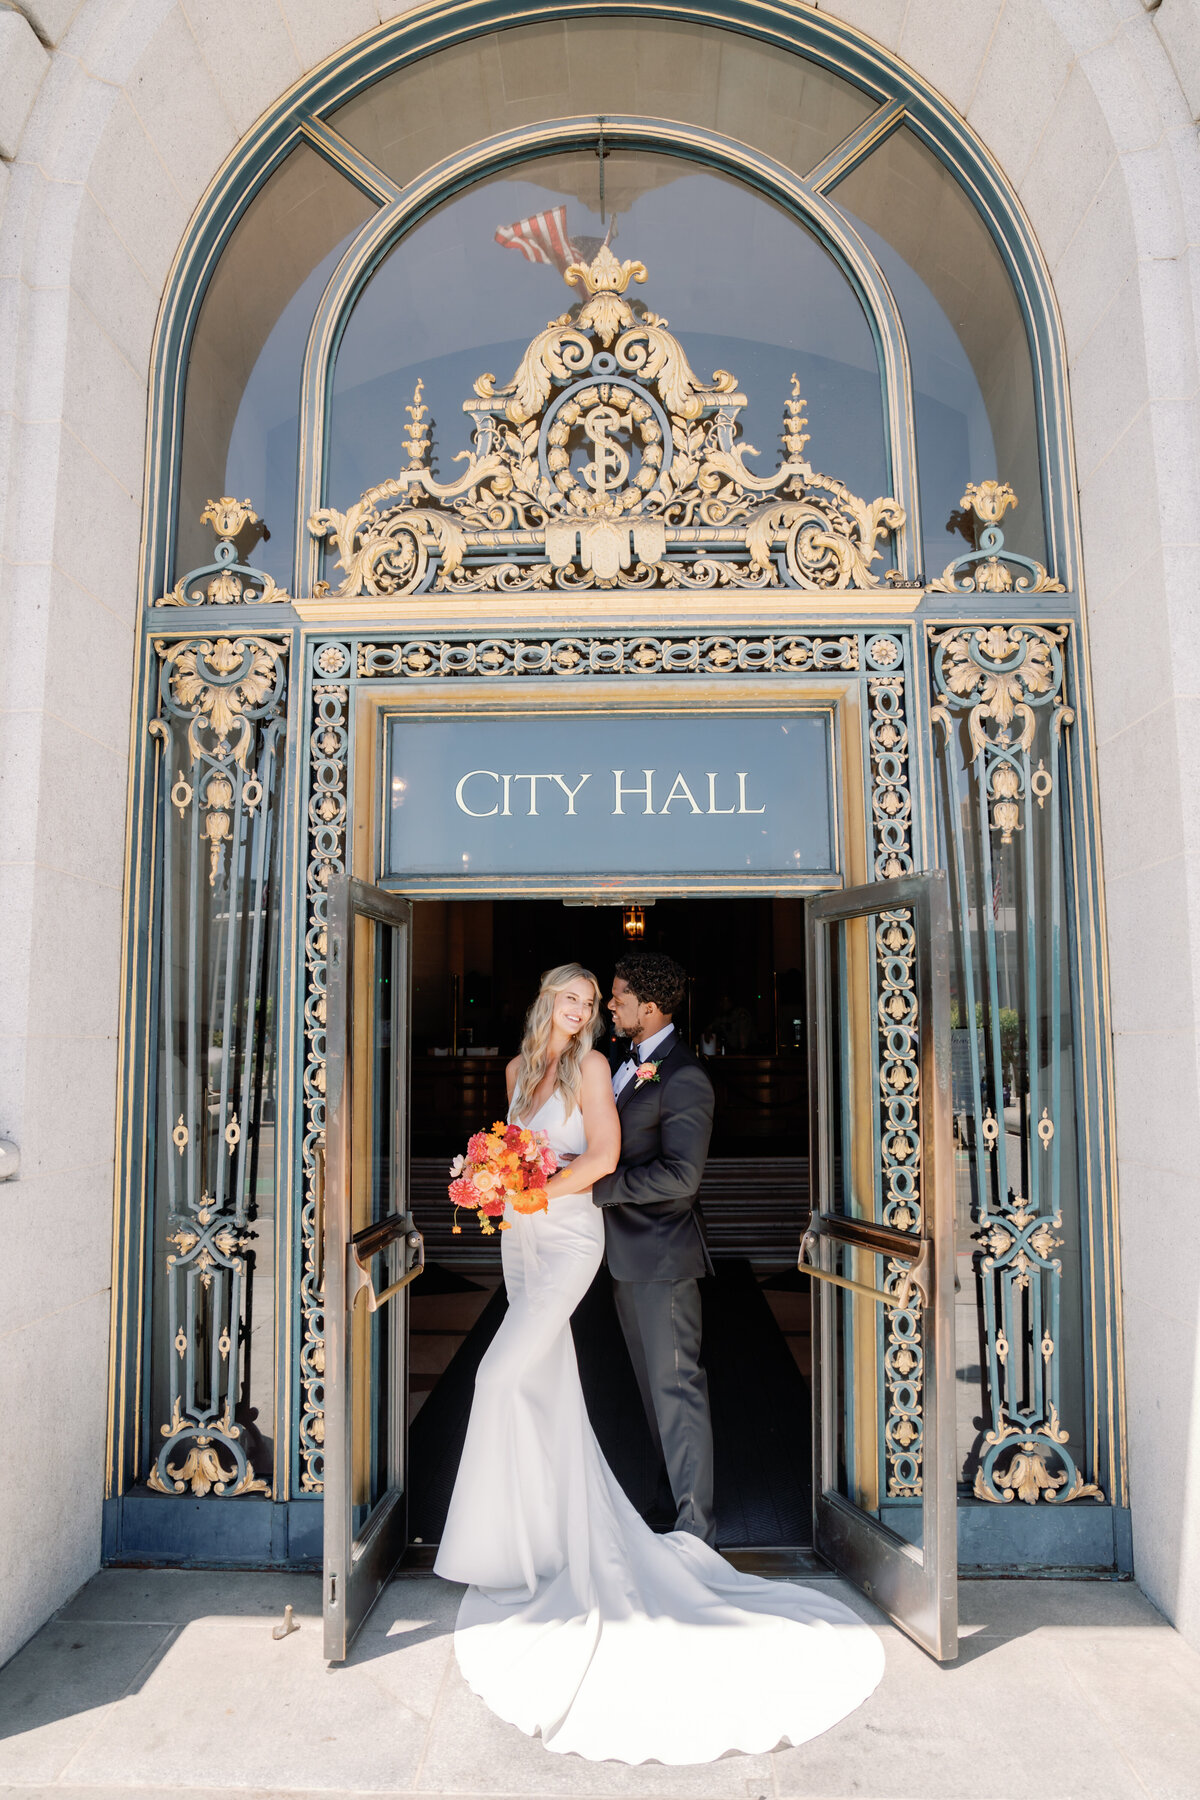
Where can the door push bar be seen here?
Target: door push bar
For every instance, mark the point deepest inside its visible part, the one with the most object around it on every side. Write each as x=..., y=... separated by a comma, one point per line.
x=366, y=1244
x=916, y=1275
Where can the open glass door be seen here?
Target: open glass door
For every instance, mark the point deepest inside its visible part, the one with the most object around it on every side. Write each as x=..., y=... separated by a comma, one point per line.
x=371, y=1250
x=880, y=1249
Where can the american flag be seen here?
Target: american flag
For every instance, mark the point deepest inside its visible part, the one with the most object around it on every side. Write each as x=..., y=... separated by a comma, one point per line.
x=542, y=238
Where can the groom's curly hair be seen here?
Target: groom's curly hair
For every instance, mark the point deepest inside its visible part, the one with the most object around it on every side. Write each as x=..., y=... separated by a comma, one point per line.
x=656, y=978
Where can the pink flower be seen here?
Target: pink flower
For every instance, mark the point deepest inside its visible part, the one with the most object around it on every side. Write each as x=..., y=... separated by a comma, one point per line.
x=465, y=1193
x=477, y=1147
x=547, y=1161
x=647, y=1071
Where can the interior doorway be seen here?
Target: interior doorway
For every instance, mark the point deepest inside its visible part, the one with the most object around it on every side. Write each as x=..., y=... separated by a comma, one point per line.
x=476, y=966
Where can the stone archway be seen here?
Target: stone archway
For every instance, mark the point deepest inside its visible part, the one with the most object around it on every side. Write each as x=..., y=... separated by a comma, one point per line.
x=134, y=107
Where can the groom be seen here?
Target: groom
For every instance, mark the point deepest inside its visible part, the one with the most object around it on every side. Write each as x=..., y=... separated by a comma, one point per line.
x=653, y=1234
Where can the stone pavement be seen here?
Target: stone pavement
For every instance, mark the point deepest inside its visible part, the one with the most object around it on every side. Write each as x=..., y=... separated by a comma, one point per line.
x=157, y=1682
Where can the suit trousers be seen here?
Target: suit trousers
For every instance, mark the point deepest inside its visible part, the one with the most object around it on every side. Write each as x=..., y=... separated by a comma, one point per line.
x=661, y=1322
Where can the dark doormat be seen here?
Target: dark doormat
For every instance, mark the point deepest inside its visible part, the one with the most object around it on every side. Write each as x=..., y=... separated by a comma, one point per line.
x=760, y=1410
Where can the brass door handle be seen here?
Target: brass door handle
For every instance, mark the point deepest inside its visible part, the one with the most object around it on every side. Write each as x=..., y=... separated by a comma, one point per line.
x=915, y=1276
x=367, y=1244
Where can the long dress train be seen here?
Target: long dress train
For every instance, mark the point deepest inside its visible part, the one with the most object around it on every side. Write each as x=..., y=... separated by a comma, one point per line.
x=580, y=1623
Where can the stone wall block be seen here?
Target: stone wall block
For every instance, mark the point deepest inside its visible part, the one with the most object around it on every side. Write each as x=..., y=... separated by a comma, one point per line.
x=879, y=20
x=33, y=475
x=1025, y=72
x=132, y=188
x=1176, y=426
x=73, y=1213
x=1152, y=180
x=1149, y=917
x=1186, y=717
x=1121, y=84
x=81, y=809
x=1109, y=383
x=70, y=1093
x=1168, y=307
x=173, y=70
x=50, y=1495
x=45, y=344
x=1182, y=614
x=249, y=52
x=1140, y=765
x=1076, y=137
x=75, y=961
x=1118, y=508
x=16, y=246
x=26, y=634
x=53, y=220
x=18, y=883
x=318, y=30
x=25, y=62
x=89, y=663
x=113, y=287
x=1100, y=256
x=104, y=400
x=50, y=18
x=73, y=111
x=1177, y=23
x=117, y=37
x=1157, y=1109
x=12, y=294
x=1127, y=687
x=951, y=60
x=97, y=529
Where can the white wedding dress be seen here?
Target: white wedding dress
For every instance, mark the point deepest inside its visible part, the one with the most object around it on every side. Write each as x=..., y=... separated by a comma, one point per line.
x=579, y=1621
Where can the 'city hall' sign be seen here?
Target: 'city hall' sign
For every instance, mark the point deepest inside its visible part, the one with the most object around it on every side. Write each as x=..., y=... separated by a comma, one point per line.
x=732, y=794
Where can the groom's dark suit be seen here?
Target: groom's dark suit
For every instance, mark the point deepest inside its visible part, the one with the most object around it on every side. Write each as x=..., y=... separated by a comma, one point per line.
x=654, y=1238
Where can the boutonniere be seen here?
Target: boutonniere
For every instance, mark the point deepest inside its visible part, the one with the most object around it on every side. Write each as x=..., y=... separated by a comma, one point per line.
x=647, y=1071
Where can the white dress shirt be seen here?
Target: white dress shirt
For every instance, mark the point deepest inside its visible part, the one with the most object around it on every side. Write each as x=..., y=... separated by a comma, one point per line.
x=638, y=1054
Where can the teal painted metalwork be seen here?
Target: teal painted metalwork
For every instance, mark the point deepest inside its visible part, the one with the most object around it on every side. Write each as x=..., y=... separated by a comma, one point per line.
x=219, y=724
x=1005, y=686
x=905, y=829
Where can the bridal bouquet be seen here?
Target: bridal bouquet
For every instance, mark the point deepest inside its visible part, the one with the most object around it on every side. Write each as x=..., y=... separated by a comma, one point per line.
x=509, y=1162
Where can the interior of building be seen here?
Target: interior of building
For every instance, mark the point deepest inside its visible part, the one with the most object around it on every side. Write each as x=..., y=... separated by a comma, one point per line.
x=476, y=966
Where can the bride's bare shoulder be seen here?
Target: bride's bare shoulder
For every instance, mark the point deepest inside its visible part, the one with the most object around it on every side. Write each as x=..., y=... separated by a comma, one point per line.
x=595, y=1064
x=510, y=1075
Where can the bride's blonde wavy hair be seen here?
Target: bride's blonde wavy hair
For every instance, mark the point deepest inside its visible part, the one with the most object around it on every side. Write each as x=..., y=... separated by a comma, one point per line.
x=535, y=1045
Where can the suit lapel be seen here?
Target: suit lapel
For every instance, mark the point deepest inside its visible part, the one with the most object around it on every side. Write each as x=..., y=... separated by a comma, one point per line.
x=661, y=1053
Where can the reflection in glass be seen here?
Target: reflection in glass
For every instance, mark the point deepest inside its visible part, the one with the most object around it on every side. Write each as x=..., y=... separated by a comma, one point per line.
x=377, y=1192
x=851, y=1337
x=976, y=411
x=1013, y=1054
x=242, y=403
x=779, y=104
x=216, y=946
x=747, y=288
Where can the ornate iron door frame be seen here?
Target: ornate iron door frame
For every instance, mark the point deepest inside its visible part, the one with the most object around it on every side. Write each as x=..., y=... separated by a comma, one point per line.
x=879, y=1060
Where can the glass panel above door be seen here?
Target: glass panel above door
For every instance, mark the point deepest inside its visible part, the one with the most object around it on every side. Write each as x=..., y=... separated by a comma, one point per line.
x=788, y=108
x=241, y=432
x=976, y=407
x=749, y=288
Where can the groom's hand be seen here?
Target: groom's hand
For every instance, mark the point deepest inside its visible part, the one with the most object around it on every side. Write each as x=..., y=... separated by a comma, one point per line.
x=685, y=1126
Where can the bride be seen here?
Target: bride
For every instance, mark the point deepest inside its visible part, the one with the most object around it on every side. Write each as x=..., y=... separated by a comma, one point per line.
x=579, y=1622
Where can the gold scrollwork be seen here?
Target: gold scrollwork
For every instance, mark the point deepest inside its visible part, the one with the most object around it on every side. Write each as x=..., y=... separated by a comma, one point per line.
x=225, y=581
x=662, y=497
x=990, y=568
